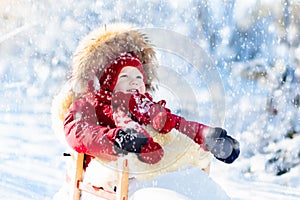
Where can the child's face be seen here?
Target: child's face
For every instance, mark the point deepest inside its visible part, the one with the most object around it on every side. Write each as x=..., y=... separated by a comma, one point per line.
x=129, y=80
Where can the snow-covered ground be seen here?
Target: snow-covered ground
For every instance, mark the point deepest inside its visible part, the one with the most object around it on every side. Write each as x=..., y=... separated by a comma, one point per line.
x=37, y=39
x=238, y=187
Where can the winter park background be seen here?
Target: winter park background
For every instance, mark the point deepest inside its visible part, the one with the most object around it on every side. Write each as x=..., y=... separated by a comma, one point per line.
x=254, y=44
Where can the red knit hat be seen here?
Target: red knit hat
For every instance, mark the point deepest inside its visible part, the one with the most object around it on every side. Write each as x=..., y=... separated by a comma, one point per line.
x=109, y=76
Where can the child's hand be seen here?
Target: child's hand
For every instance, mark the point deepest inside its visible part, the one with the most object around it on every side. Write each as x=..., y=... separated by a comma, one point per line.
x=145, y=111
x=222, y=146
x=162, y=120
x=129, y=140
x=133, y=138
x=137, y=104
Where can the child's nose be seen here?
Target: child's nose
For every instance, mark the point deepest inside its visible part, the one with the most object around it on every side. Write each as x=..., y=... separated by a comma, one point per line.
x=133, y=81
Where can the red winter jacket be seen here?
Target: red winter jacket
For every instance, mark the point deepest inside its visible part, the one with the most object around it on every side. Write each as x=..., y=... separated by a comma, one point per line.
x=89, y=126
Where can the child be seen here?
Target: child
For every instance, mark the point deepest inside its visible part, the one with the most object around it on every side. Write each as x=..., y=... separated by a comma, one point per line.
x=107, y=112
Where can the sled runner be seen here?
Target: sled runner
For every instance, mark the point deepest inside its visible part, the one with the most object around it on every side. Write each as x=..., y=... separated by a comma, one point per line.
x=78, y=185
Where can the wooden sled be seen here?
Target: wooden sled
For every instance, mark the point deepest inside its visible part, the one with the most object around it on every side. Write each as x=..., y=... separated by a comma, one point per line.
x=79, y=186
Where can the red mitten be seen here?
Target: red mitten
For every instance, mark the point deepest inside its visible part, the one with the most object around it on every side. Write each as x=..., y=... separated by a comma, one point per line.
x=145, y=111
x=162, y=120
x=137, y=104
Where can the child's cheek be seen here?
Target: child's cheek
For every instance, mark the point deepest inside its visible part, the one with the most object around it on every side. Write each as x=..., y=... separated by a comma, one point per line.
x=142, y=90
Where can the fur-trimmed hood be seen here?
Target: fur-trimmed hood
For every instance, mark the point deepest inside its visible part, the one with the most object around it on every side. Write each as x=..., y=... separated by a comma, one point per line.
x=94, y=52
x=102, y=46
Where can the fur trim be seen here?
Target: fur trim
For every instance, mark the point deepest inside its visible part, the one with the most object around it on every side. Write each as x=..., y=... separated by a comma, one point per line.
x=104, y=45
x=60, y=106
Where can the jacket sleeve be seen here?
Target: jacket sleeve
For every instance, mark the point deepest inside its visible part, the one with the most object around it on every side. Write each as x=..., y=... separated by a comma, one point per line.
x=194, y=130
x=84, y=134
x=164, y=121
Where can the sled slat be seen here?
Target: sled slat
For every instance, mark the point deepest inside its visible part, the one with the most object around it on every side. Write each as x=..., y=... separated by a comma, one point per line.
x=79, y=159
x=122, y=190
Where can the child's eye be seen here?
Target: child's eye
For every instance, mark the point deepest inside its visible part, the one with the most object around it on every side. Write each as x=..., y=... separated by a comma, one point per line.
x=139, y=77
x=123, y=76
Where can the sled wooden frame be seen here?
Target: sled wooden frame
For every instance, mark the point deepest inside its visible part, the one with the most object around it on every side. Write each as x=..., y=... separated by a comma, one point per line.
x=79, y=185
